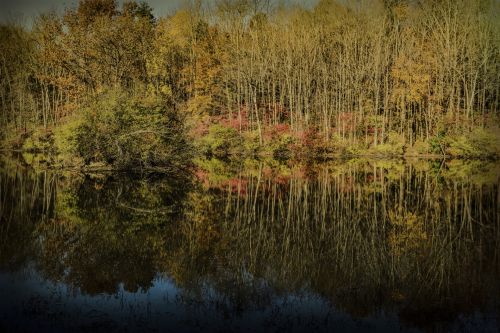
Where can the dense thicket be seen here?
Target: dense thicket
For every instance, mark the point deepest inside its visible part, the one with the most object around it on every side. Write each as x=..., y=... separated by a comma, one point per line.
x=351, y=71
x=131, y=133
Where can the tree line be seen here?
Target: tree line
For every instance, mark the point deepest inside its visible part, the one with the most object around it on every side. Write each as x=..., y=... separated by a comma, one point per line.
x=352, y=71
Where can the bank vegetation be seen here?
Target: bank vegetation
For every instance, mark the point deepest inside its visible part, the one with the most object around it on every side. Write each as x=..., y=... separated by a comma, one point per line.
x=114, y=85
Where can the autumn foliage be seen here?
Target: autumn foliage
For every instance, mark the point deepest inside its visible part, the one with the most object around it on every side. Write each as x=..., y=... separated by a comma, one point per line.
x=342, y=76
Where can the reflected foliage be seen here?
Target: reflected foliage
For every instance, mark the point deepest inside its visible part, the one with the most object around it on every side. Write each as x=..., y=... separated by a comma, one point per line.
x=419, y=238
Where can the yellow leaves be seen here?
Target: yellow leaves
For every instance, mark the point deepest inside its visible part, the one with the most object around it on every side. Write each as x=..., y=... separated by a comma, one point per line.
x=178, y=27
x=187, y=52
x=401, y=11
x=331, y=12
x=408, y=233
x=199, y=104
x=166, y=90
x=412, y=74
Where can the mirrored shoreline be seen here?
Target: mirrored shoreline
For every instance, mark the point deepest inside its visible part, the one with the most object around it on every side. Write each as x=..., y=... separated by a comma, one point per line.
x=374, y=245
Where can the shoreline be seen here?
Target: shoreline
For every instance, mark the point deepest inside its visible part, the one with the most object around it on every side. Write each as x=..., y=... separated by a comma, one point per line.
x=262, y=158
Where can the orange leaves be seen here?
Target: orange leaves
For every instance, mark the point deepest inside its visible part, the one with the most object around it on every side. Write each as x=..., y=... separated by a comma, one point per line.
x=274, y=132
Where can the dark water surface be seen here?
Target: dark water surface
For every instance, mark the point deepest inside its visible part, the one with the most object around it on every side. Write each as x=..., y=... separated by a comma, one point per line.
x=359, y=245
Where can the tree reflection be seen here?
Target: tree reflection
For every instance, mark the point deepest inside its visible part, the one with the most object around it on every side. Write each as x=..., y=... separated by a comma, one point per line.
x=420, y=238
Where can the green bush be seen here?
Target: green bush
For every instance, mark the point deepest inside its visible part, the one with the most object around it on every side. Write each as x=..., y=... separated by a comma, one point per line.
x=393, y=147
x=436, y=145
x=128, y=132
x=282, y=148
x=387, y=149
x=479, y=143
x=221, y=142
x=65, y=141
x=39, y=141
x=419, y=148
x=251, y=144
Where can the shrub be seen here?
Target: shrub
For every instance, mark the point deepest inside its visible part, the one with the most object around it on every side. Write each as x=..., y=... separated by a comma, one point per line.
x=221, y=142
x=39, y=141
x=128, y=132
x=65, y=141
x=419, y=148
x=479, y=143
x=459, y=146
x=437, y=144
x=251, y=144
x=282, y=147
x=393, y=147
x=387, y=149
x=312, y=145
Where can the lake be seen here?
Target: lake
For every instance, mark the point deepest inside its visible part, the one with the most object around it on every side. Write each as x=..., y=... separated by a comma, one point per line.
x=349, y=245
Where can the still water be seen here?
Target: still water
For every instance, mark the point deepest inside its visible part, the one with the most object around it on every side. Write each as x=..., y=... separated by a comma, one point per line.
x=358, y=245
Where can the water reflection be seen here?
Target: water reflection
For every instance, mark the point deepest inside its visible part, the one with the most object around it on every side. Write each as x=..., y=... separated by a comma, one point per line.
x=359, y=244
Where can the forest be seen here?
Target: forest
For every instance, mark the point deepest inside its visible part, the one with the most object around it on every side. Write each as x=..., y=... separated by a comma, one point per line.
x=251, y=165
x=114, y=86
